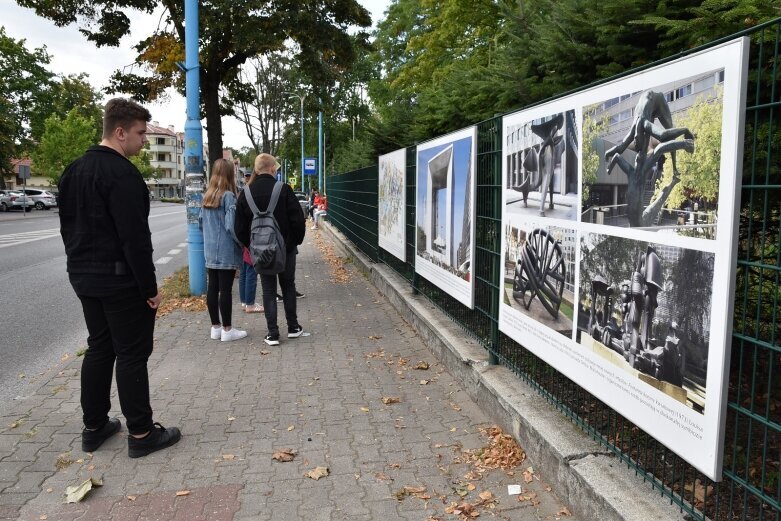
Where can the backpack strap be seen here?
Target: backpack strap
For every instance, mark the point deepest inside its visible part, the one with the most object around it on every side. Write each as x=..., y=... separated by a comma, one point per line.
x=272, y=203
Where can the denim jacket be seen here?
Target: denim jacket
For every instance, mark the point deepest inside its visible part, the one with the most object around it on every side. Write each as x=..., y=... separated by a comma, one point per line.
x=220, y=245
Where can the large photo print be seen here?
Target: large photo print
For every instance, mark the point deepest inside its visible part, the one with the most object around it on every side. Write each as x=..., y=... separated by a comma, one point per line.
x=619, y=234
x=391, y=203
x=445, y=223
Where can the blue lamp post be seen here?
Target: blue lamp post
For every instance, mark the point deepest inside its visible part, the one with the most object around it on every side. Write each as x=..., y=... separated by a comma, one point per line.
x=193, y=152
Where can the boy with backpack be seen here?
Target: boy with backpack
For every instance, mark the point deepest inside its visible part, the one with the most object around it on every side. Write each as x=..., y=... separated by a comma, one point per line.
x=260, y=238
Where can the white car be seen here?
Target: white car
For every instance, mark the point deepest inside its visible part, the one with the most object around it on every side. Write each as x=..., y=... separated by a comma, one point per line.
x=42, y=199
x=11, y=200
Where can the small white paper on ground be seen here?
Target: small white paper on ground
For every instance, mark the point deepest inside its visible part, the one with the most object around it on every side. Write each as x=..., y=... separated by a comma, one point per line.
x=513, y=490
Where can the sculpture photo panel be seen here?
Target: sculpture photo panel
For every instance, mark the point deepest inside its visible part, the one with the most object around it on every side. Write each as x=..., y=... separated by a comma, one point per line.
x=623, y=280
x=445, y=223
x=391, y=203
x=652, y=159
x=541, y=161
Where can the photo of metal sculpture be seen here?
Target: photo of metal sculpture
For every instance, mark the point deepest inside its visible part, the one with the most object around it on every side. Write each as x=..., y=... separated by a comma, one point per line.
x=539, y=163
x=633, y=339
x=540, y=272
x=650, y=141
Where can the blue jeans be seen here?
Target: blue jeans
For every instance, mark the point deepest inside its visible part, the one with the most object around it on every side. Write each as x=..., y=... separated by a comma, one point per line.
x=248, y=283
x=287, y=281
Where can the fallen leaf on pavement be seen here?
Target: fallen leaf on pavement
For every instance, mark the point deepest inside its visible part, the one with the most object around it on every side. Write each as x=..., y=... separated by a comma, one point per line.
x=564, y=511
x=76, y=493
x=387, y=400
x=414, y=490
x=44, y=517
x=231, y=418
x=290, y=428
x=528, y=475
x=365, y=409
x=131, y=498
x=264, y=352
x=284, y=455
x=424, y=382
x=182, y=493
x=382, y=477
x=374, y=337
x=422, y=365
x=317, y=473
x=228, y=457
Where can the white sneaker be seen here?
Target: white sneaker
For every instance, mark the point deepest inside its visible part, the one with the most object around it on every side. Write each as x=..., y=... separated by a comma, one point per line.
x=216, y=332
x=313, y=228
x=232, y=334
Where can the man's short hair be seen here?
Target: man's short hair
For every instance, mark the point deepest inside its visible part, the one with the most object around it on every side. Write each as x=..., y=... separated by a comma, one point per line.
x=264, y=162
x=122, y=112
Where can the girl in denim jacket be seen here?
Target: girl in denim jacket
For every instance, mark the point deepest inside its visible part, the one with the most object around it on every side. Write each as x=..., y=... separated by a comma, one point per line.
x=221, y=249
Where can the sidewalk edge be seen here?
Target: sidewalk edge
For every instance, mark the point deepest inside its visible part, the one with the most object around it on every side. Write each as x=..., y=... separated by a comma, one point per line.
x=586, y=475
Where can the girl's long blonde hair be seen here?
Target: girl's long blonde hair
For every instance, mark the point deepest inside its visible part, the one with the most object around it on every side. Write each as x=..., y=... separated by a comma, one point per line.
x=222, y=180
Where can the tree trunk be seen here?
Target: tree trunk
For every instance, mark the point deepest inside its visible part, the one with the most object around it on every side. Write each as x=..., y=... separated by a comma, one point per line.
x=210, y=90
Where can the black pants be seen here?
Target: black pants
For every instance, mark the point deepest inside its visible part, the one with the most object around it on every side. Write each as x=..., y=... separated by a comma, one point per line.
x=219, y=297
x=121, y=328
x=287, y=281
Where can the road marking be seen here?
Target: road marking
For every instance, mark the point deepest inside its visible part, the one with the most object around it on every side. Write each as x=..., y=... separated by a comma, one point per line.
x=14, y=239
x=181, y=245
x=163, y=260
x=174, y=251
x=163, y=214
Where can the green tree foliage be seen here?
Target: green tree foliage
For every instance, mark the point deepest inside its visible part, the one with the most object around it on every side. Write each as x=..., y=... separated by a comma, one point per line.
x=144, y=164
x=25, y=85
x=231, y=32
x=63, y=140
x=74, y=92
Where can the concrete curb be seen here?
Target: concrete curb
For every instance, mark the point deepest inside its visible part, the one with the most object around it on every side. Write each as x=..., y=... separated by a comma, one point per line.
x=590, y=478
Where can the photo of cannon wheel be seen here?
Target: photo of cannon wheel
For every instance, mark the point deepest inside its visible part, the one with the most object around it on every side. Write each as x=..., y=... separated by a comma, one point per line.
x=539, y=274
x=646, y=308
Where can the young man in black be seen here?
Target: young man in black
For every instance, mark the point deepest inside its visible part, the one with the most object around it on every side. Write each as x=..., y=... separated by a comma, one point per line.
x=290, y=219
x=104, y=211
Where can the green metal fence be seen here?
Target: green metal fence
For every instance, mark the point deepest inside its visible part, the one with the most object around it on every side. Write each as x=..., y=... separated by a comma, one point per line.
x=751, y=485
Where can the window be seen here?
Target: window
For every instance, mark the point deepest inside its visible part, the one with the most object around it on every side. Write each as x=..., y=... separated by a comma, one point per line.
x=684, y=91
x=721, y=77
x=609, y=103
x=161, y=157
x=621, y=116
x=161, y=141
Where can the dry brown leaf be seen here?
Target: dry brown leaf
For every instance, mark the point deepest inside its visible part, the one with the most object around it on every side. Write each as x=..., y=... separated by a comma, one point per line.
x=365, y=409
x=424, y=382
x=290, y=428
x=382, y=477
x=231, y=418
x=421, y=366
x=528, y=477
x=264, y=352
x=131, y=498
x=414, y=490
x=470, y=487
x=317, y=473
x=564, y=511
x=284, y=455
x=181, y=493
x=43, y=517
x=91, y=467
x=228, y=457
x=455, y=406
x=374, y=337
x=387, y=400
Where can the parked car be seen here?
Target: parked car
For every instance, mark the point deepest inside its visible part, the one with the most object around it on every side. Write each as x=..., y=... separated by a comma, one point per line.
x=11, y=200
x=42, y=199
x=303, y=200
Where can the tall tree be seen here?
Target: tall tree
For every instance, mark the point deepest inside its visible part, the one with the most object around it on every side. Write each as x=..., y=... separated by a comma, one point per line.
x=75, y=92
x=231, y=32
x=63, y=140
x=25, y=85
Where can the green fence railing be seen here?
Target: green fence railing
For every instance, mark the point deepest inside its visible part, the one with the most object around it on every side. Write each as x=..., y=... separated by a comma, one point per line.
x=751, y=485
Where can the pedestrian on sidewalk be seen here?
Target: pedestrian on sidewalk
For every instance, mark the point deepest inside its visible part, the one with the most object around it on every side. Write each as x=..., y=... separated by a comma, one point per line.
x=290, y=220
x=222, y=249
x=104, y=212
x=248, y=278
x=321, y=211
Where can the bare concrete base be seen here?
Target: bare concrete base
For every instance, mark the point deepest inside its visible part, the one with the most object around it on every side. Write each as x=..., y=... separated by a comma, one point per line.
x=589, y=477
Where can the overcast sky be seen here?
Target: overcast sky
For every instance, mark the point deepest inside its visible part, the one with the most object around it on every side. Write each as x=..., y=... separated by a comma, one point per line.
x=72, y=54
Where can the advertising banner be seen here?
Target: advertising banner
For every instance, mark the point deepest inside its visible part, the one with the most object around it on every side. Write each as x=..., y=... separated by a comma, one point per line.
x=444, y=238
x=619, y=239
x=392, y=203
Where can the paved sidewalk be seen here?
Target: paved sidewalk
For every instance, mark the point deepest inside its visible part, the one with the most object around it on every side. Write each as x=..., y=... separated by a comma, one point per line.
x=238, y=403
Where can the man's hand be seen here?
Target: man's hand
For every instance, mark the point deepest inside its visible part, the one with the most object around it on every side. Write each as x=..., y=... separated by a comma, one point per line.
x=154, y=302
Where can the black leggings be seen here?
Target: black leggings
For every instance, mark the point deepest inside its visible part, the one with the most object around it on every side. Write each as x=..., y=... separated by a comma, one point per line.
x=219, y=299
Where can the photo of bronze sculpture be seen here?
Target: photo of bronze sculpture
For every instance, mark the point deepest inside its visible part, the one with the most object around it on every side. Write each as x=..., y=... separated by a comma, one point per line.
x=540, y=272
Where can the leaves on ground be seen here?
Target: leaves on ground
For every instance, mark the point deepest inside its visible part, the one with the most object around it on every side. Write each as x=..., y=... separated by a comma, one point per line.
x=284, y=455
x=418, y=492
x=421, y=366
x=76, y=493
x=502, y=452
x=564, y=512
x=387, y=400
x=317, y=473
x=339, y=274
x=181, y=493
x=175, y=293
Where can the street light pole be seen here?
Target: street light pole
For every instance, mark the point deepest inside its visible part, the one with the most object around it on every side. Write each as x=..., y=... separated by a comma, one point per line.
x=301, y=98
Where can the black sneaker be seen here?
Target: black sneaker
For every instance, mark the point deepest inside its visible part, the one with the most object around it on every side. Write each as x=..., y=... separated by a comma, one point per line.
x=272, y=340
x=296, y=332
x=91, y=440
x=158, y=438
x=299, y=295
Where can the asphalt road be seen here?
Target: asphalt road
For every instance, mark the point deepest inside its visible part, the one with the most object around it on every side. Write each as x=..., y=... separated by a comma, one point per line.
x=40, y=317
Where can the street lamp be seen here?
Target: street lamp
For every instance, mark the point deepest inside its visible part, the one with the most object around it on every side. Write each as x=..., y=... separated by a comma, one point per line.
x=301, y=98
